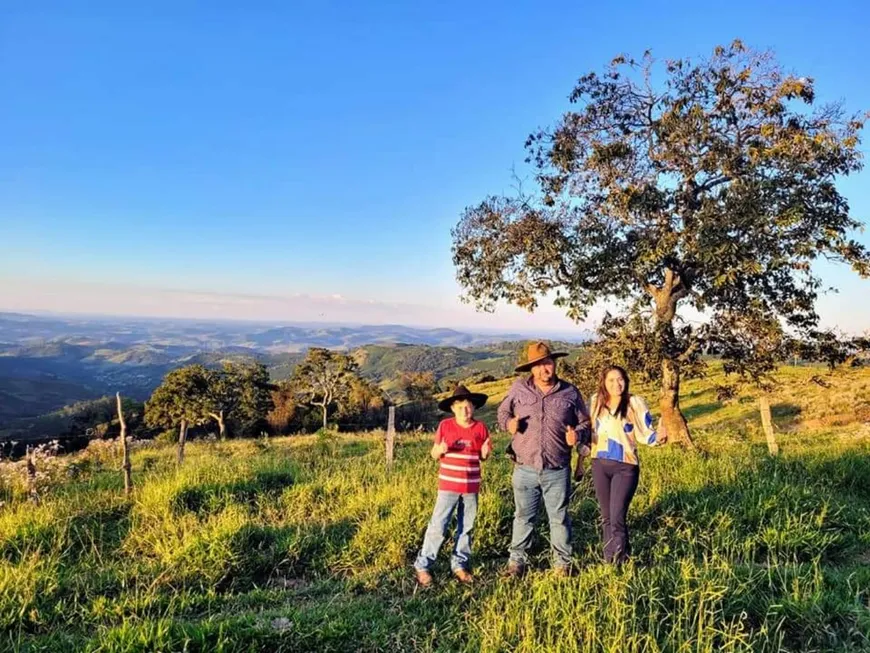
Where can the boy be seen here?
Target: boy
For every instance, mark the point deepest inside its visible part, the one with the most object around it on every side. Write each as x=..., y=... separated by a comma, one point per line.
x=461, y=442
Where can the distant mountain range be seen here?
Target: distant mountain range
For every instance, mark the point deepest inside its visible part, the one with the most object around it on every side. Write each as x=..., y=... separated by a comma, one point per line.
x=120, y=333
x=47, y=362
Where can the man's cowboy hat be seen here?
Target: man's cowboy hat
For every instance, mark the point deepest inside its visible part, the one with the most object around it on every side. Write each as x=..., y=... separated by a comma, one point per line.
x=537, y=352
x=460, y=393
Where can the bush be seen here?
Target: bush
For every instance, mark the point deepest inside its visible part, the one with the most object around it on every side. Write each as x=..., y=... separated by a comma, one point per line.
x=169, y=436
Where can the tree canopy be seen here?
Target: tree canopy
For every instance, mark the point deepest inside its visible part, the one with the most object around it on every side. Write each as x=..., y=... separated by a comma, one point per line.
x=240, y=392
x=180, y=398
x=708, y=185
x=324, y=378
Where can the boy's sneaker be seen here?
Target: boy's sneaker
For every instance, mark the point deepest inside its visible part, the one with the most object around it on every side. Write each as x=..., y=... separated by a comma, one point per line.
x=515, y=569
x=423, y=577
x=464, y=576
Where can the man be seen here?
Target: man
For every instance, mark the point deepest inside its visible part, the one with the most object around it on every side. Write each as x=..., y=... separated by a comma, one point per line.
x=544, y=414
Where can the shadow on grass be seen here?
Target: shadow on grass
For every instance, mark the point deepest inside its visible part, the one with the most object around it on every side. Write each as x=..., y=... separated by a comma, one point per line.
x=210, y=498
x=261, y=554
x=784, y=415
x=783, y=509
x=355, y=449
x=349, y=619
x=701, y=410
x=99, y=532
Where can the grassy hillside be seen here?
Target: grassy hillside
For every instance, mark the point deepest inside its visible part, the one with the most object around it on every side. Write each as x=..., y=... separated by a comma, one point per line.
x=382, y=362
x=298, y=544
x=23, y=397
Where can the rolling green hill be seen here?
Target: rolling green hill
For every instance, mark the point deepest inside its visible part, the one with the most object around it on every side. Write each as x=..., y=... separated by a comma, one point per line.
x=48, y=362
x=40, y=378
x=26, y=397
x=382, y=362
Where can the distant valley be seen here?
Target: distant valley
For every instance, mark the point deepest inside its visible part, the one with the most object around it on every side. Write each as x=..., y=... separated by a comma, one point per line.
x=50, y=362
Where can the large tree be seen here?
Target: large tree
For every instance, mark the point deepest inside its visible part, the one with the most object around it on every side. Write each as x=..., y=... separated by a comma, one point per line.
x=708, y=185
x=178, y=402
x=324, y=378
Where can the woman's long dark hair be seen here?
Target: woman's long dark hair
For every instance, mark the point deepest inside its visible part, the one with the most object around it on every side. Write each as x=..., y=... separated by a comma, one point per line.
x=604, y=396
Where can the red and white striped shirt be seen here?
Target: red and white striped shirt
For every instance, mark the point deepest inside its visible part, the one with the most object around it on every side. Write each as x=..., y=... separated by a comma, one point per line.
x=460, y=466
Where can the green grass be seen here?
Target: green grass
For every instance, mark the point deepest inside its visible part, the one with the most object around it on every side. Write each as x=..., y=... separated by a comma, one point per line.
x=298, y=544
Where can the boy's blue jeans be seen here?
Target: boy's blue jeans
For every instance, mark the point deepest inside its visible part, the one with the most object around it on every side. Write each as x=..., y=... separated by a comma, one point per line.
x=466, y=510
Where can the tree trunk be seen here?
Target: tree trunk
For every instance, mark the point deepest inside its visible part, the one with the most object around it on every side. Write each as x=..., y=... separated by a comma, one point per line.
x=221, y=422
x=666, y=300
x=676, y=428
x=222, y=426
x=125, y=452
x=182, y=438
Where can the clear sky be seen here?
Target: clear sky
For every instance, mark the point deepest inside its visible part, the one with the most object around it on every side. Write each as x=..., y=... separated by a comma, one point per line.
x=307, y=160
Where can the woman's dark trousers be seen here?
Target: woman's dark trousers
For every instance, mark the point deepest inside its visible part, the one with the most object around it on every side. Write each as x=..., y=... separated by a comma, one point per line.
x=615, y=484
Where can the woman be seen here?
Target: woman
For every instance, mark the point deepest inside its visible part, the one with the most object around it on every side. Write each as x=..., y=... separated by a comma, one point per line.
x=619, y=421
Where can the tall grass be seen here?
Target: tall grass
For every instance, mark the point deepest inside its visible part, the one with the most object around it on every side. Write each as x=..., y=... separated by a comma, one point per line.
x=306, y=543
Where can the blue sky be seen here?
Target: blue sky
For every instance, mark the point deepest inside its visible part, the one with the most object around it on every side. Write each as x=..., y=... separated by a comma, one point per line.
x=311, y=154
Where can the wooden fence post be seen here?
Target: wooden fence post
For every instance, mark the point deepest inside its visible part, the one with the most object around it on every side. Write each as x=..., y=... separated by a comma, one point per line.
x=182, y=438
x=767, y=425
x=391, y=435
x=125, y=452
x=32, y=490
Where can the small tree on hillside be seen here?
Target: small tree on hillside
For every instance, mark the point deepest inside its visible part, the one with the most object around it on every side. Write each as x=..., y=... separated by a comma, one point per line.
x=323, y=378
x=256, y=401
x=363, y=406
x=283, y=407
x=365, y=396
x=714, y=189
x=224, y=395
x=178, y=402
x=418, y=386
x=419, y=389
x=240, y=392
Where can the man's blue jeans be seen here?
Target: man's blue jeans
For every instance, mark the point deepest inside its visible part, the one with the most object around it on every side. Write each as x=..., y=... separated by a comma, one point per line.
x=530, y=487
x=466, y=510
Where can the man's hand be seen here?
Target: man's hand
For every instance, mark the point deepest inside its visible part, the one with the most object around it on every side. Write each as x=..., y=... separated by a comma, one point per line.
x=485, y=450
x=582, y=453
x=570, y=435
x=513, y=425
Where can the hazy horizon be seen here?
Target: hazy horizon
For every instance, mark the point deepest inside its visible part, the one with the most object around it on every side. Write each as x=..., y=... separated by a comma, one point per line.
x=578, y=332
x=119, y=301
